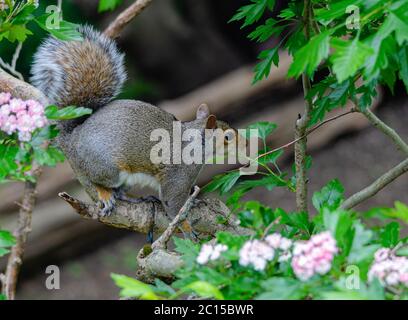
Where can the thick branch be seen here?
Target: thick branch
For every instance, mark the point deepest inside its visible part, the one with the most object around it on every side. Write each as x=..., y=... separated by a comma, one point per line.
x=116, y=27
x=15, y=259
x=376, y=186
x=20, y=89
x=388, y=131
x=141, y=217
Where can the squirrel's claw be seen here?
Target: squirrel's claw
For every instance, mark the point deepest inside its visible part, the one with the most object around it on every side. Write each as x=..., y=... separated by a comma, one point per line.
x=107, y=207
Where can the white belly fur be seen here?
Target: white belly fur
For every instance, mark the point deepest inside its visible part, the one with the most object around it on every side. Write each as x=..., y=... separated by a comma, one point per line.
x=139, y=179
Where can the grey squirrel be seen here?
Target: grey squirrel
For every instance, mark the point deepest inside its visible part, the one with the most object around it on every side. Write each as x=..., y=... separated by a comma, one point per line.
x=109, y=150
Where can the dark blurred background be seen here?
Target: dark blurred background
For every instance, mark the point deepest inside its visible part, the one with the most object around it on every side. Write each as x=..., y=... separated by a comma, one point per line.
x=181, y=53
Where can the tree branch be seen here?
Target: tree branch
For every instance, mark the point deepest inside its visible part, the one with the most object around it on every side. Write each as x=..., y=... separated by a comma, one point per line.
x=116, y=27
x=388, y=131
x=142, y=217
x=20, y=89
x=376, y=186
x=15, y=259
x=161, y=243
x=301, y=127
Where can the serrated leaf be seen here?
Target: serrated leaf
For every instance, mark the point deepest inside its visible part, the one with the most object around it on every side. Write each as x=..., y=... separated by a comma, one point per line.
x=361, y=249
x=308, y=58
x=263, y=68
x=349, y=56
x=331, y=196
x=251, y=13
x=265, y=31
x=389, y=235
x=18, y=32
x=264, y=128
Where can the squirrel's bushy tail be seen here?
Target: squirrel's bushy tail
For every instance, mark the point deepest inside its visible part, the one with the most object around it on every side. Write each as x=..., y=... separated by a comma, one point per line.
x=87, y=73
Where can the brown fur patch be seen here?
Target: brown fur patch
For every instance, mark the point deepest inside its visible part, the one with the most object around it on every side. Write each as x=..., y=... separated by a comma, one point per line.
x=104, y=193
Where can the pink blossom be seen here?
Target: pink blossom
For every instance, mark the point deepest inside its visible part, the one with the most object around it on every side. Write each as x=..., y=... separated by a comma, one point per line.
x=4, y=98
x=23, y=117
x=390, y=269
x=256, y=253
x=314, y=256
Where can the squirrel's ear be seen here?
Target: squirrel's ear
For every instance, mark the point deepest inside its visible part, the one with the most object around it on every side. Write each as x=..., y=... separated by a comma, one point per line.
x=211, y=122
x=203, y=112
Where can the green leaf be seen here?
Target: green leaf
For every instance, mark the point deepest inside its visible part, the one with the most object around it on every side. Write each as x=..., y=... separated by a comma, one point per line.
x=265, y=31
x=106, y=5
x=6, y=239
x=281, y=289
x=331, y=196
x=338, y=222
x=271, y=157
x=134, y=288
x=54, y=113
x=48, y=157
x=349, y=56
x=223, y=182
x=251, y=13
x=403, y=68
x=389, y=235
x=297, y=220
x=163, y=288
x=334, y=10
x=383, y=50
x=188, y=249
x=263, y=68
x=399, y=212
x=264, y=128
x=18, y=32
x=62, y=30
x=2, y=297
x=205, y=290
x=308, y=58
x=361, y=249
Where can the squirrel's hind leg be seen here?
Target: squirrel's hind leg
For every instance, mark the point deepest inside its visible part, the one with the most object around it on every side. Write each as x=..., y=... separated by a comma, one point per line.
x=106, y=200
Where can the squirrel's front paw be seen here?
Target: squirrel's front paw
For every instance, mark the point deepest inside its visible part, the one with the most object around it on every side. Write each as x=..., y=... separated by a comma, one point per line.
x=107, y=207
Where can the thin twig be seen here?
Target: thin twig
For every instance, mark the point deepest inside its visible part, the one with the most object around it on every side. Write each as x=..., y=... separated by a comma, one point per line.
x=161, y=243
x=15, y=260
x=376, y=186
x=116, y=27
x=387, y=130
x=12, y=67
x=16, y=55
x=307, y=133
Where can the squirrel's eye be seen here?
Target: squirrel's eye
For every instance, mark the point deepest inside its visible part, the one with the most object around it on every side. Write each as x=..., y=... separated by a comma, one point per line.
x=229, y=135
